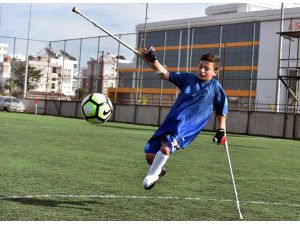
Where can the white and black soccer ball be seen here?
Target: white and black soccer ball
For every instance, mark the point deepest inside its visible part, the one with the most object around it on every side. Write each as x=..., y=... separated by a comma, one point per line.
x=96, y=108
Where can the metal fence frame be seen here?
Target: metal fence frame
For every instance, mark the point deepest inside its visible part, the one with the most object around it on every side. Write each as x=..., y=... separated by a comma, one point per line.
x=250, y=106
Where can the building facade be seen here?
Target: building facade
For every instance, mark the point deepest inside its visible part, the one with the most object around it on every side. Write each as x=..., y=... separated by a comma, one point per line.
x=4, y=65
x=58, y=72
x=101, y=74
x=67, y=74
x=3, y=51
x=49, y=81
x=246, y=41
x=5, y=69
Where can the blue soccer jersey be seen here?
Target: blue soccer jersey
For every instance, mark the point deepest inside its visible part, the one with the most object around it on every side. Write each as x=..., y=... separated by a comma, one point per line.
x=192, y=110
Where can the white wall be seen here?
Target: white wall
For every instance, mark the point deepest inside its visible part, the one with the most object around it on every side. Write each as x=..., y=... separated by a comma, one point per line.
x=3, y=51
x=68, y=75
x=268, y=61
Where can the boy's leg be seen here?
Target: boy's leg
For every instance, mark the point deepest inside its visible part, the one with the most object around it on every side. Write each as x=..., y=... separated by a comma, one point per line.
x=157, y=160
x=149, y=158
x=156, y=167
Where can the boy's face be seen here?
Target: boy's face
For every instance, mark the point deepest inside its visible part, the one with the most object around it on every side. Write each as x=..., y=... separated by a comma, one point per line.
x=206, y=70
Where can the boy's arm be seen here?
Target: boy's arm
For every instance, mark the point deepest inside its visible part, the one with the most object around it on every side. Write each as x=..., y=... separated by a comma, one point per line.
x=161, y=70
x=222, y=121
x=220, y=136
x=221, y=107
x=156, y=66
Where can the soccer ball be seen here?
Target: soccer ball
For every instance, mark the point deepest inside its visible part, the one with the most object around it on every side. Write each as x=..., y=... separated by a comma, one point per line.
x=96, y=108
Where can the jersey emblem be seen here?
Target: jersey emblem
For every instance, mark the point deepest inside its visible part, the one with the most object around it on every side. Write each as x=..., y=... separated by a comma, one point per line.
x=187, y=90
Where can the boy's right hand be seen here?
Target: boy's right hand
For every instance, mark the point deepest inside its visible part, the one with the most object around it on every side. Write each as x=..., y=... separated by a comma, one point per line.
x=220, y=136
x=149, y=55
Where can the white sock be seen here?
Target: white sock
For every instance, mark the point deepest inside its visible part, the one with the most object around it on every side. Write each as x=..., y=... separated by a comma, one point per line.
x=155, y=169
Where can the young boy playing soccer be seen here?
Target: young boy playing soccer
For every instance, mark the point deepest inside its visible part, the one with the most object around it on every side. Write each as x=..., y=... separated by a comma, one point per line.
x=200, y=96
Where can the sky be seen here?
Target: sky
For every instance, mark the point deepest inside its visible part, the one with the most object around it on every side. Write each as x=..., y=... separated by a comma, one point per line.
x=56, y=21
x=52, y=22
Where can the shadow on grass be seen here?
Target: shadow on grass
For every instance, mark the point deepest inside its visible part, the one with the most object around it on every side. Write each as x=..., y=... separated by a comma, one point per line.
x=52, y=203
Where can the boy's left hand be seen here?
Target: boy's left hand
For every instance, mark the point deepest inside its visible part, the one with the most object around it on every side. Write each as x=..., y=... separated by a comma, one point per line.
x=220, y=136
x=149, y=55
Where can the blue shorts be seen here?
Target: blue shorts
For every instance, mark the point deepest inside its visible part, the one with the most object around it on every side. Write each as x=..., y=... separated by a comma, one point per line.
x=154, y=144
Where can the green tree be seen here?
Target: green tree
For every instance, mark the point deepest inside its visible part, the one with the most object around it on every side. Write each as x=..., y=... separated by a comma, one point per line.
x=80, y=92
x=18, y=78
x=1, y=88
x=11, y=86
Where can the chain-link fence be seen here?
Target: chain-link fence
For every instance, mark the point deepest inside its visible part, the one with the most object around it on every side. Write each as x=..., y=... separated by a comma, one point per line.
x=70, y=69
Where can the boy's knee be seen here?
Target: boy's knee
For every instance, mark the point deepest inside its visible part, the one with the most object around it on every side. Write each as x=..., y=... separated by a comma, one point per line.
x=165, y=149
x=150, y=156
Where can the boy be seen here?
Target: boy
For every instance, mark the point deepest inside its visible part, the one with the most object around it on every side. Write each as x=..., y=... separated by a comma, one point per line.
x=200, y=96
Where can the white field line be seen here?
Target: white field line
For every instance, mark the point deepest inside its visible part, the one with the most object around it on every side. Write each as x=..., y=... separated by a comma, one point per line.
x=11, y=197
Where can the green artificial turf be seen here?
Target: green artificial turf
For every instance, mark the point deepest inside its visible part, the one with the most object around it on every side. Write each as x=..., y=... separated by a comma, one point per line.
x=54, y=168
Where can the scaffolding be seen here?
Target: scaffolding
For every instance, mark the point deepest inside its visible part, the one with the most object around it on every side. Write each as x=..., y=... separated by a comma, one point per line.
x=289, y=69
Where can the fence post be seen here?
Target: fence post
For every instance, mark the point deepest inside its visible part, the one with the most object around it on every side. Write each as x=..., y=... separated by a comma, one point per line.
x=78, y=76
x=252, y=64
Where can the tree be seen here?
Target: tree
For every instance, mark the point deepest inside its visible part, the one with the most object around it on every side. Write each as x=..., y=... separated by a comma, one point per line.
x=11, y=86
x=18, y=73
x=1, y=88
x=80, y=92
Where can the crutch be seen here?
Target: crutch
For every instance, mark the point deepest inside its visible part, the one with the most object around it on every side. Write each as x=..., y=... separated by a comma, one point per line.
x=75, y=10
x=232, y=179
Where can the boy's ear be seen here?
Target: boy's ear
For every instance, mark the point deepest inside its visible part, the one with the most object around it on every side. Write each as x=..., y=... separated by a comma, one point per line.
x=216, y=71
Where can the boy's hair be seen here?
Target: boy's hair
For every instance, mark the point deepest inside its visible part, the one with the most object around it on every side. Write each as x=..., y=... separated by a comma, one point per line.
x=210, y=57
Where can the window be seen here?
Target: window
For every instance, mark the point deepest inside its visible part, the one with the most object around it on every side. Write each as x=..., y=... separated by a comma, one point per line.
x=245, y=32
x=207, y=35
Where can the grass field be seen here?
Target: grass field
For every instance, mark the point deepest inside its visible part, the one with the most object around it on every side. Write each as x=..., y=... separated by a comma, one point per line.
x=55, y=168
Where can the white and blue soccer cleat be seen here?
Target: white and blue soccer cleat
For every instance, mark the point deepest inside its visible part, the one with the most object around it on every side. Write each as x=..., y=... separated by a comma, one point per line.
x=149, y=181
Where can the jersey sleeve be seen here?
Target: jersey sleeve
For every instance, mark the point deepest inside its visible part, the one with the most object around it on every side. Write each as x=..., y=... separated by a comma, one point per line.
x=220, y=101
x=179, y=79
